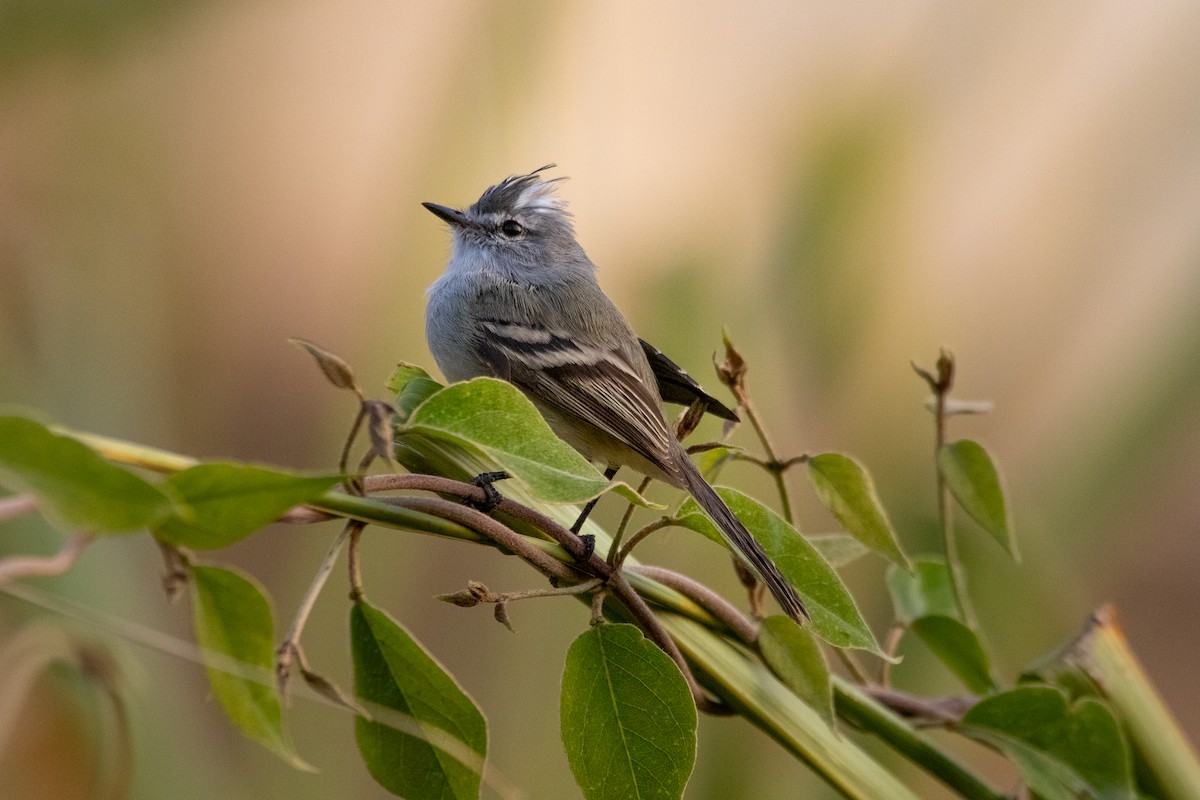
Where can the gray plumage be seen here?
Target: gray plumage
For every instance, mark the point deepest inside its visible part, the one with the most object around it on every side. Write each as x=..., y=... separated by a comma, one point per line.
x=519, y=301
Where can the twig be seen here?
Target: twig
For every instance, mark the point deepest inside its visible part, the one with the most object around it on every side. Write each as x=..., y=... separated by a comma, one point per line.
x=774, y=465
x=738, y=623
x=615, y=556
x=303, y=515
x=854, y=704
x=936, y=710
x=941, y=384
x=516, y=543
x=289, y=648
x=496, y=531
x=894, y=634
x=852, y=666
x=345, y=457
x=16, y=506
x=57, y=564
x=639, y=537
x=353, y=562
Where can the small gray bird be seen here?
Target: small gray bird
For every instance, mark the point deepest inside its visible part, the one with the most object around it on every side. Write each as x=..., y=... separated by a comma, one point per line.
x=519, y=301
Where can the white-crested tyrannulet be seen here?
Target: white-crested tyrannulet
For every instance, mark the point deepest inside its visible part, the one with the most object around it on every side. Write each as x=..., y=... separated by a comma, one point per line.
x=519, y=301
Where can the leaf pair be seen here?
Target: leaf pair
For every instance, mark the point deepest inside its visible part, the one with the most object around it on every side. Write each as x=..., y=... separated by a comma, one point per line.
x=925, y=603
x=1064, y=751
x=206, y=506
x=425, y=738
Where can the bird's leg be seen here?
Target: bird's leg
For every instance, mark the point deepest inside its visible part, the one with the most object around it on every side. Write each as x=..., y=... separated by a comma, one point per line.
x=491, y=497
x=589, y=541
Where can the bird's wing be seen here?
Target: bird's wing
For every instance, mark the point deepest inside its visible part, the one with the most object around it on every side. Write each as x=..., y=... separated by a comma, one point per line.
x=584, y=381
x=676, y=386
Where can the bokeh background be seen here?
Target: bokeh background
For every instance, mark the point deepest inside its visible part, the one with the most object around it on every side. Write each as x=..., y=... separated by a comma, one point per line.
x=846, y=187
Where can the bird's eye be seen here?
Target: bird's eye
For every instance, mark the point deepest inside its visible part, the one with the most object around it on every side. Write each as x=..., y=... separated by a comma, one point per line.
x=511, y=228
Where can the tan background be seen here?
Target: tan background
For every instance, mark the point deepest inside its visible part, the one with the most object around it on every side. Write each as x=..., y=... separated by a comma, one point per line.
x=183, y=186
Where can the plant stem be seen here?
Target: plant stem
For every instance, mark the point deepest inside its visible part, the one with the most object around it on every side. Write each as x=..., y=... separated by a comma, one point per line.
x=57, y=564
x=615, y=556
x=852, y=666
x=751, y=688
x=774, y=465
x=1104, y=655
x=17, y=505
x=638, y=537
x=941, y=385
x=353, y=562
x=854, y=706
x=742, y=680
x=289, y=648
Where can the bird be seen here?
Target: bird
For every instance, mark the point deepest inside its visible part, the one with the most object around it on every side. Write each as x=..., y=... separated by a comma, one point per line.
x=519, y=300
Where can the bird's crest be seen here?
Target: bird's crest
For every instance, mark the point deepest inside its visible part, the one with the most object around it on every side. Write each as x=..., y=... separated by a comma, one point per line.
x=523, y=193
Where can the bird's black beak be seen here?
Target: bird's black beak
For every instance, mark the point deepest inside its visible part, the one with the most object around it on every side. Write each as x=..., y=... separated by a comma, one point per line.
x=451, y=215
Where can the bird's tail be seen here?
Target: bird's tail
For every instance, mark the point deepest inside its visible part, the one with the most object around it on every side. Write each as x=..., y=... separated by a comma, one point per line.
x=744, y=544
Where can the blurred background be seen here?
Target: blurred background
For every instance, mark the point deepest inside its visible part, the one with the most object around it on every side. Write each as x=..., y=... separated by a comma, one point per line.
x=846, y=187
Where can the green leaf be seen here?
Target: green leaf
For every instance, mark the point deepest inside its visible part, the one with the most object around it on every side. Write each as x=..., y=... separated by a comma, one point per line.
x=925, y=602
x=426, y=738
x=493, y=418
x=845, y=488
x=236, y=637
x=958, y=648
x=75, y=487
x=225, y=503
x=402, y=374
x=628, y=718
x=710, y=462
x=794, y=656
x=412, y=386
x=834, y=616
x=1063, y=751
x=927, y=592
x=975, y=483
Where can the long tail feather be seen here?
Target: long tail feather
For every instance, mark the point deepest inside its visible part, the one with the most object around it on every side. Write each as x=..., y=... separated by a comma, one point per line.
x=744, y=544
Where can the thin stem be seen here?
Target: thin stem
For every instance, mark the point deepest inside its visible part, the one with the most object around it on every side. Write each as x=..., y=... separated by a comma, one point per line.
x=856, y=707
x=940, y=383
x=738, y=623
x=358, y=420
x=288, y=650
x=615, y=557
x=57, y=564
x=928, y=710
x=354, y=561
x=640, y=536
x=852, y=666
x=894, y=634
x=958, y=580
x=17, y=505
x=774, y=465
x=499, y=533
x=583, y=587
